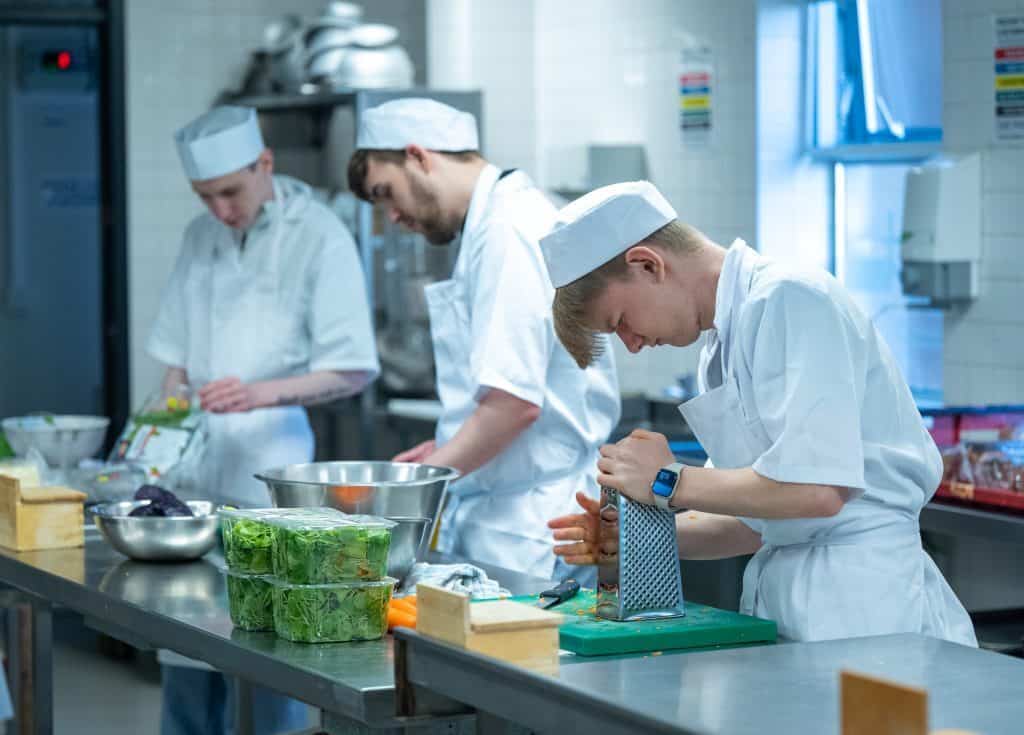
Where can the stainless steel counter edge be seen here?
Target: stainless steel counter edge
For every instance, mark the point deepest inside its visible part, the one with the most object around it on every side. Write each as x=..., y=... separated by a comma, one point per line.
x=375, y=706
x=958, y=520
x=510, y=692
x=788, y=687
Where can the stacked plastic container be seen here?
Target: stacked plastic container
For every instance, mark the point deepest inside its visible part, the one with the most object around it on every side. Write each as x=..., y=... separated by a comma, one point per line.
x=313, y=575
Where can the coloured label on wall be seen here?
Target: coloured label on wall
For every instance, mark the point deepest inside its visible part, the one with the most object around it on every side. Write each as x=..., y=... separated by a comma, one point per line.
x=695, y=96
x=1009, y=77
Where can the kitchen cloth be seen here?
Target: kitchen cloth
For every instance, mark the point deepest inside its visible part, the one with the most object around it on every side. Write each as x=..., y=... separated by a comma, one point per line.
x=464, y=578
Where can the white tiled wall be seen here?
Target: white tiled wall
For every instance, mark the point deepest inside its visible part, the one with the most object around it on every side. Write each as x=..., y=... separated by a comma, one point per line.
x=560, y=74
x=984, y=343
x=180, y=56
x=793, y=191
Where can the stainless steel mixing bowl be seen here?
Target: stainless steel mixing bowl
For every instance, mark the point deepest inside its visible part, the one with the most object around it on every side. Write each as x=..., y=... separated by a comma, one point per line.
x=389, y=489
x=407, y=493
x=153, y=538
x=408, y=544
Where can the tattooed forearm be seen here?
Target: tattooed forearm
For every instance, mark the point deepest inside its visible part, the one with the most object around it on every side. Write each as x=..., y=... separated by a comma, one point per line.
x=314, y=397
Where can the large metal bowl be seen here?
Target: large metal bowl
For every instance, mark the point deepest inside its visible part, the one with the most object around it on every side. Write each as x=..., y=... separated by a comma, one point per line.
x=153, y=538
x=408, y=545
x=389, y=489
x=409, y=494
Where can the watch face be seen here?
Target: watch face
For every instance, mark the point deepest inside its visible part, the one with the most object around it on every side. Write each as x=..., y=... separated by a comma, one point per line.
x=664, y=483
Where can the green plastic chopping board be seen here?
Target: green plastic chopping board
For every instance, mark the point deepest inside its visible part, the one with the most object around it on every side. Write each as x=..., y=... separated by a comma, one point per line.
x=588, y=635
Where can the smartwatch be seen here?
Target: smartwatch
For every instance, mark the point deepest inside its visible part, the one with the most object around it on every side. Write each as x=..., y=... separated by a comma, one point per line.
x=664, y=485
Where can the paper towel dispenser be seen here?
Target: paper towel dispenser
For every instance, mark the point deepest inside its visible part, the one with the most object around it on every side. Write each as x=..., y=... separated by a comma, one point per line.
x=941, y=243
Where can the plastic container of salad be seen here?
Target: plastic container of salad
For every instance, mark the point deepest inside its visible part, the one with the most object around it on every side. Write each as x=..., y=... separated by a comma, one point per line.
x=332, y=613
x=248, y=538
x=330, y=548
x=251, y=601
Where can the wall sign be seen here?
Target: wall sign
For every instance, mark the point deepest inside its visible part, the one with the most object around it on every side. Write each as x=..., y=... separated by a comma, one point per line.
x=1009, y=77
x=696, y=85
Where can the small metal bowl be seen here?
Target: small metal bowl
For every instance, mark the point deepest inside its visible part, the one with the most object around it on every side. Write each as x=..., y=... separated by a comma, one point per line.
x=153, y=538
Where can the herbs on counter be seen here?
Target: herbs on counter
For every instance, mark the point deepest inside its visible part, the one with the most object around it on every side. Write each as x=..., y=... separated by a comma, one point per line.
x=354, y=611
x=247, y=539
x=331, y=548
x=251, y=601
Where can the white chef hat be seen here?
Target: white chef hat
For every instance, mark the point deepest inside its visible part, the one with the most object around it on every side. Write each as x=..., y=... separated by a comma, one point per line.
x=417, y=121
x=221, y=141
x=598, y=226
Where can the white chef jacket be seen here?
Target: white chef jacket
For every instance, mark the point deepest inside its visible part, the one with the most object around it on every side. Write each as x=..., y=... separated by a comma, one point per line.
x=492, y=327
x=797, y=383
x=292, y=301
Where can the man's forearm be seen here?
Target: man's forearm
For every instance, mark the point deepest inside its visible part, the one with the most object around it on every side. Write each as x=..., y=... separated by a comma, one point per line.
x=743, y=492
x=497, y=421
x=315, y=388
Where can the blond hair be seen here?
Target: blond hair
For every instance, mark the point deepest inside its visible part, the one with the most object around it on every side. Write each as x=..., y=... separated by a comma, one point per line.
x=573, y=301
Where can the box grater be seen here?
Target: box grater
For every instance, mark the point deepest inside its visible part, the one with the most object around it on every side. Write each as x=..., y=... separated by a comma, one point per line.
x=641, y=580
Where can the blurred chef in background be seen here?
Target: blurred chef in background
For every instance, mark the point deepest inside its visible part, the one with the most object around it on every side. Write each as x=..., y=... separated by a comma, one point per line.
x=265, y=312
x=519, y=420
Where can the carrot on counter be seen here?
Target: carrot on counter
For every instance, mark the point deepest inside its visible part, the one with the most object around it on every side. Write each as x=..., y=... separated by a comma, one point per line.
x=400, y=619
x=404, y=603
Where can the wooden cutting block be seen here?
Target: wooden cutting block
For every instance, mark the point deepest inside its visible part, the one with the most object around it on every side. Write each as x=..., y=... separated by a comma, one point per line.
x=873, y=706
x=40, y=517
x=511, y=631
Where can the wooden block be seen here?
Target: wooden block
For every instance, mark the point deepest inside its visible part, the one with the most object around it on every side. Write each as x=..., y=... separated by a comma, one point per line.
x=33, y=518
x=873, y=706
x=25, y=471
x=511, y=631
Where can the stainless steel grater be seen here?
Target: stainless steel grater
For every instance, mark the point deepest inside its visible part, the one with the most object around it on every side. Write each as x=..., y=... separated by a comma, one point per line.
x=638, y=575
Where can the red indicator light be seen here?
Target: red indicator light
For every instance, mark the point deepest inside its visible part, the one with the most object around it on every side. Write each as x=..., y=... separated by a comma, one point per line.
x=64, y=60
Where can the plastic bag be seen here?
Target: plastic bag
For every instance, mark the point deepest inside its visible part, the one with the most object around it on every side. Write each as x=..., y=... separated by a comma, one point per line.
x=167, y=439
x=108, y=482
x=31, y=469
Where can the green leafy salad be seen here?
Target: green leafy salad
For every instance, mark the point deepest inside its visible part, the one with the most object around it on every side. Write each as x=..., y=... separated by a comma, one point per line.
x=248, y=539
x=251, y=601
x=325, y=550
x=354, y=611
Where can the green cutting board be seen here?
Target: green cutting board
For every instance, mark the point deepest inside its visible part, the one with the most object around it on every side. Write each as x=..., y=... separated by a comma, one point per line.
x=586, y=634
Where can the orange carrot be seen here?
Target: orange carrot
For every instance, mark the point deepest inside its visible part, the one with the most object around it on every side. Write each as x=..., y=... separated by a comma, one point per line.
x=403, y=603
x=400, y=619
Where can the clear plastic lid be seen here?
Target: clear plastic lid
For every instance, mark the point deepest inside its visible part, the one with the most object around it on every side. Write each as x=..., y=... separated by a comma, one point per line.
x=328, y=519
x=266, y=515
x=251, y=514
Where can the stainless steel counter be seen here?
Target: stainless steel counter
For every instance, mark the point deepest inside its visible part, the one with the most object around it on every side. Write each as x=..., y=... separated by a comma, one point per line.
x=959, y=520
x=789, y=687
x=183, y=607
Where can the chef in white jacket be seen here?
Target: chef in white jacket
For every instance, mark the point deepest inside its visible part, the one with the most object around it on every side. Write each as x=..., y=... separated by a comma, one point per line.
x=519, y=420
x=265, y=313
x=819, y=460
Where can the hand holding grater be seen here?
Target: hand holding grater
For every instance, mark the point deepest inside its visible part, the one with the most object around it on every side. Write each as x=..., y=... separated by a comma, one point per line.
x=638, y=575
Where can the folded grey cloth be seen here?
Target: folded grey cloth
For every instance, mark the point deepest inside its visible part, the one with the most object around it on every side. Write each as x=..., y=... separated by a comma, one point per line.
x=464, y=578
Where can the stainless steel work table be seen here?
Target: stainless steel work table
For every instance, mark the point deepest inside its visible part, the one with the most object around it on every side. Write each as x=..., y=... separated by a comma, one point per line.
x=783, y=688
x=183, y=607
